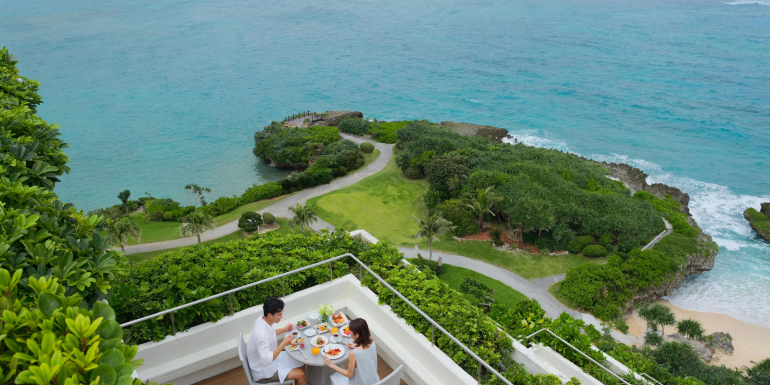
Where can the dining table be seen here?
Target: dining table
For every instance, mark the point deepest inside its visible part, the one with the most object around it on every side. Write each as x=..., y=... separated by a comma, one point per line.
x=316, y=371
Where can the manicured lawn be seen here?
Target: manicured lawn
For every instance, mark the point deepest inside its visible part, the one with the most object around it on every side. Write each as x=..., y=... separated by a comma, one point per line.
x=155, y=231
x=454, y=275
x=139, y=257
x=286, y=229
x=555, y=291
x=383, y=204
x=524, y=264
x=368, y=159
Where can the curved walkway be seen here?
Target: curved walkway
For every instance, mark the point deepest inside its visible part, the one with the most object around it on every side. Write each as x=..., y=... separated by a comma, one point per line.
x=281, y=208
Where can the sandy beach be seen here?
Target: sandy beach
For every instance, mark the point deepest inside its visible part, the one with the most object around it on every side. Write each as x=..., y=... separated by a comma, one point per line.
x=751, y=342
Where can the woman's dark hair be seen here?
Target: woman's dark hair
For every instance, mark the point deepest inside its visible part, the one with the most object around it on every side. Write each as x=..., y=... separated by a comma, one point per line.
x=359, y=326
x=272, y=305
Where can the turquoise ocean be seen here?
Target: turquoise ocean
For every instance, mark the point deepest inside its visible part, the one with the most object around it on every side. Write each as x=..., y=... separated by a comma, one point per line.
x=153, y=95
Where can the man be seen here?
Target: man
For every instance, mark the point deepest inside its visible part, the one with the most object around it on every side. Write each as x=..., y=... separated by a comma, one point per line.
x=267, y=360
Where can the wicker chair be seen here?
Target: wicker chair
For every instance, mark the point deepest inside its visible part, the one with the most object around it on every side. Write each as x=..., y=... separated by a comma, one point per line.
x=245, y=362
x=393, y=378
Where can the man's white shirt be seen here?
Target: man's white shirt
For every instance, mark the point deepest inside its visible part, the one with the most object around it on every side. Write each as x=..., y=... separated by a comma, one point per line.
x=262, y=344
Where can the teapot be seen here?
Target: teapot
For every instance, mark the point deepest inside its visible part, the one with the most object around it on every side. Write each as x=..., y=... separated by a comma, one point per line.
x=314, y=318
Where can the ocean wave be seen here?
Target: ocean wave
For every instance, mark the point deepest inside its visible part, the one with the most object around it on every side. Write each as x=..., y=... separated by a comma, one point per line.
x=531, y=138
x=749, y=2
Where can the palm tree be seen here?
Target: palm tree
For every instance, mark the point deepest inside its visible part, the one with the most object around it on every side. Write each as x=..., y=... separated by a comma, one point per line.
x=119, y=230
x=123, y=196
x=482, y=203
x=303, y=217
x=432, y=224
x=196, y=223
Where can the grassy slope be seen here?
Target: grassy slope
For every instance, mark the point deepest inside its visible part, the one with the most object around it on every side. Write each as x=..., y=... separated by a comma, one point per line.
x=383, y=204
x=526, y=265
x=454, y=276
x=236, y=236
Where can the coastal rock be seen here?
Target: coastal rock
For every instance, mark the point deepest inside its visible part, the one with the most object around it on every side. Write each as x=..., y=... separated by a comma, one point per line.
x=333, y=118
x=700, y=261
x=765, y=209
x=703, y=352
x=494, y=134
x=721, y=341
x=762, y=233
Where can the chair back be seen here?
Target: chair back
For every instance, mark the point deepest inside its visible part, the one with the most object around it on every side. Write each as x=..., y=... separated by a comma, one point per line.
x=393, y=378
x=244, y=357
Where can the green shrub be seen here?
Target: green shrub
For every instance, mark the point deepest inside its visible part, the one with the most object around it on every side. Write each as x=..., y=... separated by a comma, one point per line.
x=607, y=239
x=577, y=244
x=413, y=172
x=339, y=172
x=292, y=146
x=496, y=237
x=759, y=374
x=157, y=215
x=475, y=288
x=671, y=211
x=167, y=216
x=461, y=216
x=425, y=265
x=249, y=221
x=595, y=251
x=367, y=147
x=621, y=325
x=386, y=132
x=222, y=205
x=165, y=204
x=354, y=126
x=259, y=192
x=268, y=218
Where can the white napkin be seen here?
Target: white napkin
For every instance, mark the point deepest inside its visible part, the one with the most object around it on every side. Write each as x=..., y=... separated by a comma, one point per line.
x=339, y=379
x=285, y=365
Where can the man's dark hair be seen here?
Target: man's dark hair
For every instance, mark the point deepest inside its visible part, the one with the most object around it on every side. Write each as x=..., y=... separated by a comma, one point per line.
x=272, y=305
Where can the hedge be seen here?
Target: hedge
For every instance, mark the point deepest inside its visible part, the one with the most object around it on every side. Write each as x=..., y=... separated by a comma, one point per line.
x=367, y=147
x=595, y=251
x=577, y=244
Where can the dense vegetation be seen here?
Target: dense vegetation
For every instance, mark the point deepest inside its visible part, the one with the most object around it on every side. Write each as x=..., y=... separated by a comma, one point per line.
x=605, y=289
x=292, y=147
x=548, y=197
x=383, y=132
x=54, y=266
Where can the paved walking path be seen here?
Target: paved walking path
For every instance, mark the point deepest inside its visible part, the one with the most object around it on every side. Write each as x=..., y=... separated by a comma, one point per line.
x=281, y=208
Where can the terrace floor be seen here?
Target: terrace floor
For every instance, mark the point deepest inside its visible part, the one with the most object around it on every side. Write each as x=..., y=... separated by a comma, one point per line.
x=238, y=377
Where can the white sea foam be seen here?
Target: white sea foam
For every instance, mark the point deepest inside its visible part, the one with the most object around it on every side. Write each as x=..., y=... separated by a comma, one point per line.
x=749, y=2
x=531, y=138
x=740, y=280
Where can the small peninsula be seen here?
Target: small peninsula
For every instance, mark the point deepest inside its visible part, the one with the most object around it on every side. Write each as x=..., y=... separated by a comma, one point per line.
x=759, y=220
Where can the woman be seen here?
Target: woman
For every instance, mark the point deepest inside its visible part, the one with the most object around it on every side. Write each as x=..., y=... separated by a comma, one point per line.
x=362, y=367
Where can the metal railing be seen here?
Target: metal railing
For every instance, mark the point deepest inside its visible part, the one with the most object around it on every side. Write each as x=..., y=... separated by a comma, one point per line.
x=361, y=266
x=589, y=358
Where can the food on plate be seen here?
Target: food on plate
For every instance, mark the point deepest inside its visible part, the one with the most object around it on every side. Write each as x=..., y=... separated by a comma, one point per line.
x=334, y=330
x=302, y=324
x=320, y=341
x=315, y=351
x=298, y=340
x=338, y=318
x=347, y=331
x=322, y=328
x=333, y=352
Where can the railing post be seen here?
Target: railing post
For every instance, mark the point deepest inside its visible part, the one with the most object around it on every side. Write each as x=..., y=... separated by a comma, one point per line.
x=479, y=378
x=230, y=297
x=331, y=272
x=283, y=288
x=432, y=340
x=173, y=327
x=359, y=274
x=393, y=301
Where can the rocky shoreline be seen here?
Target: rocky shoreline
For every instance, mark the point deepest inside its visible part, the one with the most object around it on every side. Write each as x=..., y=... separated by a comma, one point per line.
x=760, y=226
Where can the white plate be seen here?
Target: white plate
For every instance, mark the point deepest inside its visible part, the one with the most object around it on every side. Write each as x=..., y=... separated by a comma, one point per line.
x=314, y=339
x=334, y=346
x=309, y=332
x=326, y=327
x=342, y=332
x=344, y=321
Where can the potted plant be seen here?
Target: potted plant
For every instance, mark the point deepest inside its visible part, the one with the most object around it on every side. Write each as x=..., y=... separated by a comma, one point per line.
x=326, y=312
